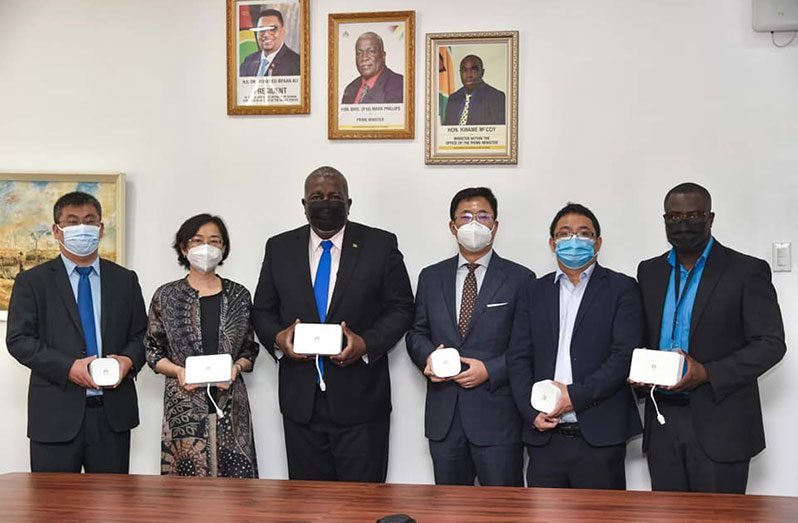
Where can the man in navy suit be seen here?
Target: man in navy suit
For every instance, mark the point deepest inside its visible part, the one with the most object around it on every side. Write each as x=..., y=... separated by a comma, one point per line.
x=577, y=326
x=377, y=84
x=273, y=58
x=468, y=302
x=476, y=103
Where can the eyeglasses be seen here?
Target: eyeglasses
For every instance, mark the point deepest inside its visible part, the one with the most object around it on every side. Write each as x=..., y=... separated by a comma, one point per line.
x=88, y=220
x=582, y=235
x=692, y=216
x=482, y=217
x=271, y=29
x=214, y=241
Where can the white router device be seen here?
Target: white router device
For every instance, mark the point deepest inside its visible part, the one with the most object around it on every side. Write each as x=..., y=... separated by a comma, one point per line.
x=104, y=371
x=324, y=339
x=445, y=363
x=209, y=369
x=545, y=395
x=656, y=367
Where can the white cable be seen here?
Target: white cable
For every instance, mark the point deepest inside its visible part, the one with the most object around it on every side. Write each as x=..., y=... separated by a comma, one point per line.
x=660, y=417
x=773, y=39
x=218, y=410
x=322, y=385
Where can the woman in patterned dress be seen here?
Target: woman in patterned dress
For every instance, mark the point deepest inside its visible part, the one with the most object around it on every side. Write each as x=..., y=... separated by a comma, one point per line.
x=203, y=314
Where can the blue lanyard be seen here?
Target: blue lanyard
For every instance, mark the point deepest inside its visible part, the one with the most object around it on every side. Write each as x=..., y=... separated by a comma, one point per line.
x=679, y=299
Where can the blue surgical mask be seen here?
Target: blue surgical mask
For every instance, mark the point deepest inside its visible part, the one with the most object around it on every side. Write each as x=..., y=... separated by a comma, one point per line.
x=575, y=252
x=81, y=240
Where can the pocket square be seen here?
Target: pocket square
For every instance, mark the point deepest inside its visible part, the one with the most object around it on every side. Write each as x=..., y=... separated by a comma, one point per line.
x=502, y=304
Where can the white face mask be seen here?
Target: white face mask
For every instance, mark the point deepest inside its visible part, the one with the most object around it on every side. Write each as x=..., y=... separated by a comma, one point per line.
x=474, y=236
x=204, y=257
x=81, y=240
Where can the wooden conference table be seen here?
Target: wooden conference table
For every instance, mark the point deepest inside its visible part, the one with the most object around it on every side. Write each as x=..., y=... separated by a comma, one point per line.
x=73, y=497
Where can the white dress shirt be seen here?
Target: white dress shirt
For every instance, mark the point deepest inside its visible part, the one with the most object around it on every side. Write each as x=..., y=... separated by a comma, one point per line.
x=462, y=272
x=570, y=299
x=315, y=251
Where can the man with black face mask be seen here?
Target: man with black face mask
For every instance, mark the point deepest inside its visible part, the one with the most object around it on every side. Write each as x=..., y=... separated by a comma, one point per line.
x=718, y=307
x=335, y=411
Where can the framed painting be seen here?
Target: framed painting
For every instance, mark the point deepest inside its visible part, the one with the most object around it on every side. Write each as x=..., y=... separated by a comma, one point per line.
x=472, y=98
x=268, y=57
x=26, y=220
x=371, y=81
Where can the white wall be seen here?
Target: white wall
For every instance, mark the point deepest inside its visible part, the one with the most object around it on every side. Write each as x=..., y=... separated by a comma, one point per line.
x=619, y=101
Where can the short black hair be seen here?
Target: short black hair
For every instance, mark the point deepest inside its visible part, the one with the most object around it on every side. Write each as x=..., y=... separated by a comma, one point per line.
x=474, y=192
x=690, y=188
x=325, y=171
x=76, y=199
x=270, y=12
x=474, y=57
x=190, y=228
x=575, y=208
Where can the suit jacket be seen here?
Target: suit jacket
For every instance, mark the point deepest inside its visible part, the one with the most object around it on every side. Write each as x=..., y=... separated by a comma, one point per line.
x=286, y=63
x=372, y=294
x=388, y=89
x=488, y=413
x=736, y=332
x=608, y=326
x=487, y=107
x=45, y=334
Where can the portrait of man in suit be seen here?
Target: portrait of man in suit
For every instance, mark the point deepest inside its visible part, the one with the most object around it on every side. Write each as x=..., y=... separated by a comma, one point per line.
x=336, y=410
x=476, y=102
x=377, y=83
x=63, y=314
x=719, y=308
x=468, y=302
x=273, y=57
x=578, y=327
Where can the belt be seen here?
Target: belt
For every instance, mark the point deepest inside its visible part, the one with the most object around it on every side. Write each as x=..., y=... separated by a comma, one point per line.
x=674, y=400
x=92, y=402
x=569, y=430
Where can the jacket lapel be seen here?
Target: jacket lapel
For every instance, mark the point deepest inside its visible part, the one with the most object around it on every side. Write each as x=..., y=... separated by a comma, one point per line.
x=494, y=278
x=660, y=278
x=350, y=252
x=551, y=296
x=715, y=267
x=594, y=285
x=298, y=258
x=105, y=294
x=64, y=289
x=448, y=277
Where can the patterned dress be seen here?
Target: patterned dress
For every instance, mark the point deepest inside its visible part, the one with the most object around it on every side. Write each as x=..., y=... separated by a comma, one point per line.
x=174, y=332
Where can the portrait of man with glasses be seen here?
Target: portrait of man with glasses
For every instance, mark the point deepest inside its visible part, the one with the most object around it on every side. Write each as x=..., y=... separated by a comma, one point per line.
x=273, y=57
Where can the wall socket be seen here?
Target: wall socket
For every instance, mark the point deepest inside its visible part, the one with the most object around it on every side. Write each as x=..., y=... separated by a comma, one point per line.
x=782, y=256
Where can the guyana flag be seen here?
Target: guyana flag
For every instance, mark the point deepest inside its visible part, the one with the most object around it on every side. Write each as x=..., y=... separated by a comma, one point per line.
x=246, y=38
x=445, y=79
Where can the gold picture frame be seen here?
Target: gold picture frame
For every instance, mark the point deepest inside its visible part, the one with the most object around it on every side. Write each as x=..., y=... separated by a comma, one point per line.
x=268, y=57
x=485, y=129
x=26, y=219
x=381, y=106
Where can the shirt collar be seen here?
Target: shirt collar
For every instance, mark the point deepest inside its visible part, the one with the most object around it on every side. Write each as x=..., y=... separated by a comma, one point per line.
x=702, y=259
x=270, y=57
x=583, y=276
x=483, y=261
x=337, y=239
x=70, y=265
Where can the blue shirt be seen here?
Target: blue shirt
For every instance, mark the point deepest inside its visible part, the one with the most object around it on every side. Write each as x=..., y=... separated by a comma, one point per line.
x=94, y=280
x=676, y=316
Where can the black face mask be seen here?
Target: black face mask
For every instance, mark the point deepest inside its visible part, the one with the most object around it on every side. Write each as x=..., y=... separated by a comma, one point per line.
x=687, y=236
x=326, y=215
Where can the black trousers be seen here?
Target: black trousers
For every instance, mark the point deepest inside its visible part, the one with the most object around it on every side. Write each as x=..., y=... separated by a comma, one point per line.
x=568, y=461
x=324, y=450
x=96, y=448
x=676, y=461
x=457, y=461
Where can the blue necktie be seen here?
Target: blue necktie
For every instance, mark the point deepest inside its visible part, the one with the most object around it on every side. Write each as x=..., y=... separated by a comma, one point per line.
x=86, y=310
x=264, y=66
x=321, y=286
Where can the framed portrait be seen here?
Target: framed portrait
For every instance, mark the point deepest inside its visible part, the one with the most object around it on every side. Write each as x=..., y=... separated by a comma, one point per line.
x=26, y=220
x=268, y=57
x=371, y=75
x=472, y=98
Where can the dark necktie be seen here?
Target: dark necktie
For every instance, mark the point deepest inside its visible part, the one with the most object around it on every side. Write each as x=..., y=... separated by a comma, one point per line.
x=362, y=94
x=86, y=310
x=468, y=300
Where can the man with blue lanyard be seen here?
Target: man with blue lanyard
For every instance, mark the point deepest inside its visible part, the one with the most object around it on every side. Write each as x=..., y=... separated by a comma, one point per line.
x=718, y=307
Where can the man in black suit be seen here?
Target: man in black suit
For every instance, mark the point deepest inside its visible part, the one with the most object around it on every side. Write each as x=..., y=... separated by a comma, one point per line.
x=273, y=58
x=64, y=314
x=468, y=302
x=476, y=103
x=578, y=327
x=336, y=412
x=719, y=308
x=377, y=84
